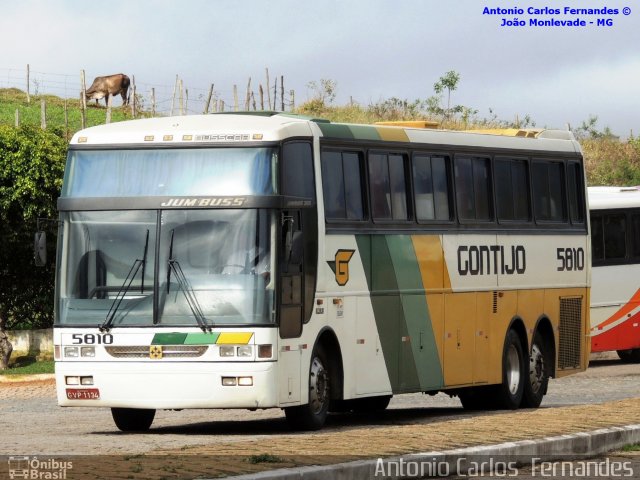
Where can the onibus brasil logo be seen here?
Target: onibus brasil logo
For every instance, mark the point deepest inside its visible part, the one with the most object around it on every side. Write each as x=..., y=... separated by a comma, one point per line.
x=34, y=468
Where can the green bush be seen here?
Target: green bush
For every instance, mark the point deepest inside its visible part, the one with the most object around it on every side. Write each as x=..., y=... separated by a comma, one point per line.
x=31, y=170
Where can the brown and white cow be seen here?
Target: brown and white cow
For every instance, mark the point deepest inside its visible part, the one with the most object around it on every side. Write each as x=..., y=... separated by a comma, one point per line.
x=102, y=87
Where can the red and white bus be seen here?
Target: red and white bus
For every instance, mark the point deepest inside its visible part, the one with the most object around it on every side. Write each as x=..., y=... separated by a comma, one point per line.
x=615, y=293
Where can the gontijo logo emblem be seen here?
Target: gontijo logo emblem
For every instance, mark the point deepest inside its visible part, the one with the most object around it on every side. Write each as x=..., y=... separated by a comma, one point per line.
x=340, y=266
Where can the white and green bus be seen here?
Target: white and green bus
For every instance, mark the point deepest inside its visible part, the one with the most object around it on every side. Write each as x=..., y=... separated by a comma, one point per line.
x=271, y=261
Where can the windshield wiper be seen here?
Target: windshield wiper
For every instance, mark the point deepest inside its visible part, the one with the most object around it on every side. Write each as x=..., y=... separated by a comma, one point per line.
x=126, y=285
x=187, y=289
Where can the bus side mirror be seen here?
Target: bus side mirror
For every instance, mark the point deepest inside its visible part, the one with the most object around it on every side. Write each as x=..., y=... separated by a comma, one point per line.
x=40, y=249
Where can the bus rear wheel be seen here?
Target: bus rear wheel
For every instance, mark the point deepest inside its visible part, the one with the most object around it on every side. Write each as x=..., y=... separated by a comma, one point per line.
x=133, y=419
x=510, y=392
x=313, y=415
x=535, y=384
x=629, y=356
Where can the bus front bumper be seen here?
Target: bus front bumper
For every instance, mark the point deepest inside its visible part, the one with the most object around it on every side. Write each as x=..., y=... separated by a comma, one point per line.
x=167, y=385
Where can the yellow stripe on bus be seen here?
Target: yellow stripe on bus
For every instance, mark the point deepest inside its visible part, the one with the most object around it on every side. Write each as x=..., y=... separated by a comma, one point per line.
x=235, y=338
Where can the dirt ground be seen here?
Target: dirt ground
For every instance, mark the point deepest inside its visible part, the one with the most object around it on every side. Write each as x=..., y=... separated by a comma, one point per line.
x=232, y=447
x=348, y=444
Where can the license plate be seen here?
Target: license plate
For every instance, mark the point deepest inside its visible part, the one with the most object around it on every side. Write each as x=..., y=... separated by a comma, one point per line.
x=83, y=394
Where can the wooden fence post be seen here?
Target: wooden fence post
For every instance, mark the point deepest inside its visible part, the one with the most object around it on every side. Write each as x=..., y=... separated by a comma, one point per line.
x=247, y=100
x=253, y=100
x=181, y=89
x=261, y=98
x=292, y=96
x=28, y=95
x=83, y=112
x=153, y=102
x=268, y=90
x=235, y=98
x=83, y=89
x=173, y=99
x=275, y=94
x=43, y=114
x=206, y=105
x=66, y=120
x=17, y=118
x=282, y=93
x=133, y=97
x=108, y=117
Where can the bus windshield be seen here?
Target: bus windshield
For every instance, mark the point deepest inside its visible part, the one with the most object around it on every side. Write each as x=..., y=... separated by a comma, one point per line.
x=164, y=172
x=157, y=267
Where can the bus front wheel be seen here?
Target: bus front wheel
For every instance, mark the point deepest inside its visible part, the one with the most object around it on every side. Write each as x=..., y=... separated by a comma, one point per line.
x=313, y=415
x=535, y=384
x=133, y=419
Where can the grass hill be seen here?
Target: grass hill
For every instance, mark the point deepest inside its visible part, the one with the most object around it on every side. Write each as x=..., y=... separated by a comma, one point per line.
x=12, y=100
x=609, y=160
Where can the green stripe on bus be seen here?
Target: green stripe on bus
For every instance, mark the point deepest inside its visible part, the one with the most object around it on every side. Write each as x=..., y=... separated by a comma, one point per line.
x=416, y=313
x=201, y=338
x=335, y=131
x=168, y=338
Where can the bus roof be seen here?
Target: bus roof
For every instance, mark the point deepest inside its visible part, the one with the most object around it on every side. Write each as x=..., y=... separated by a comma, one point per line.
x=235, y=128
x=601, y=198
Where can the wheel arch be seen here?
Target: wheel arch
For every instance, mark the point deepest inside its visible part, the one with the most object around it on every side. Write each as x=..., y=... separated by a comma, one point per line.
x=517, y=325
x=328, y=341
x=544, y=327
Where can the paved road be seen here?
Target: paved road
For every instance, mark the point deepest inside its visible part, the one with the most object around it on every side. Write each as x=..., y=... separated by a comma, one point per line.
x=37, y=426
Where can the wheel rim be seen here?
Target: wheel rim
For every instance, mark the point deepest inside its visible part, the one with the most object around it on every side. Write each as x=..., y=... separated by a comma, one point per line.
x=513, y=369
x=536, y=368
x=318, y=386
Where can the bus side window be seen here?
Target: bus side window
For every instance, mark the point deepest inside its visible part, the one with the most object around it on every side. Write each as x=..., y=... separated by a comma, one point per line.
x=549, y=191
x=635, y=236
x=388, y=186
x=431, y=187
x=342, y=185
x=615, y=235
x=512, y=190
x=473, y=188
x=297, y=170
x=597, y=239
x=576, y=192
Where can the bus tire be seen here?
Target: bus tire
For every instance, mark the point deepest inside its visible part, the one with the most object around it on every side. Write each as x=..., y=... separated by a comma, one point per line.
x=509, y=393
x=629, y=356
x=133, y=419
x=313, y=415
x=535, y=384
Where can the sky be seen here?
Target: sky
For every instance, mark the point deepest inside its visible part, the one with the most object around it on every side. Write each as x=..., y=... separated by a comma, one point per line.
x=371, y=49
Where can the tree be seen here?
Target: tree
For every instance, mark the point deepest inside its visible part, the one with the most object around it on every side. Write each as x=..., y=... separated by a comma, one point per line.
x=31, y=170
x=449, y=83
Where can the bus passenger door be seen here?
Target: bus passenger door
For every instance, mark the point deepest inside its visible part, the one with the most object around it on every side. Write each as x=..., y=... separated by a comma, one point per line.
x=291, y=305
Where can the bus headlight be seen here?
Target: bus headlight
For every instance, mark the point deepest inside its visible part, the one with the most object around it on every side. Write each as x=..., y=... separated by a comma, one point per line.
x=72, y=380
x=71, y=352
x=88, y=351
x=227, y=350
x=245, y=351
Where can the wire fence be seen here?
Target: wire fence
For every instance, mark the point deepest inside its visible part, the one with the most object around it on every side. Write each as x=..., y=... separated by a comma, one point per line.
x=149, y=99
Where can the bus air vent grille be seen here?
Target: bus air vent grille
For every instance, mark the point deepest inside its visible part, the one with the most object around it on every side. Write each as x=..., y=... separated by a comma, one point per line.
x=168, y=351
x=570, y=332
